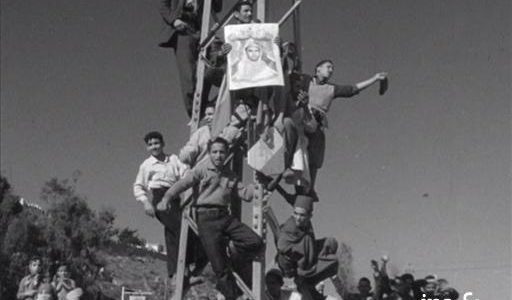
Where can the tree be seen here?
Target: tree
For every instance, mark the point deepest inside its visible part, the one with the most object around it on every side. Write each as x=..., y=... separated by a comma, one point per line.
x=9, y=206
x=5, y=187
x=130, y=237
x=21, y=236
x=75, y=233
x=68, y=231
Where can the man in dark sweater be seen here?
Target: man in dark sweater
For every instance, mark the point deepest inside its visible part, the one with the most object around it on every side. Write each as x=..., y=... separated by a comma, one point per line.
x=300, y=255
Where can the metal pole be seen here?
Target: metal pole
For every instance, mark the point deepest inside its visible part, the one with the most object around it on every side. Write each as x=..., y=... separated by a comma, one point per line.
x=289, y=12
x=296, y=32
x=200, y=69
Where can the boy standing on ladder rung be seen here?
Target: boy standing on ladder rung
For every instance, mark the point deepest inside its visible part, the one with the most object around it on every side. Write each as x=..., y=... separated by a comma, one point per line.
x=217, y=186
x=156, y=174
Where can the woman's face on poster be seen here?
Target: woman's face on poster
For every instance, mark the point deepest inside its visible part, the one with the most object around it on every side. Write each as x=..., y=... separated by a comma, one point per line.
x=253, y=52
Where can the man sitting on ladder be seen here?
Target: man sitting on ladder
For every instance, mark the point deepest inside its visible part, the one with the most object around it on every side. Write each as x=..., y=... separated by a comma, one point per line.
x=300, y=255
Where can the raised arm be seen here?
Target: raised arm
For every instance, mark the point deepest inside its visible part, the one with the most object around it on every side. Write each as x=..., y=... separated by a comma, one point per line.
x=381, y=278
x=189, y=152
x=368, y=82
x=179, y=187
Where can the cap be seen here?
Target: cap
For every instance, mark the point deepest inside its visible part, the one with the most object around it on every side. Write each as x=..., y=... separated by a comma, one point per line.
x=304, y=201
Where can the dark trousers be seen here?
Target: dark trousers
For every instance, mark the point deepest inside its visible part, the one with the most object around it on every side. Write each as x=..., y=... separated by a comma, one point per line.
x=186, y=59
x=316, y=152
x=326, y=267
x=217, y=229
x=290, y=141
x=212, y=77
x=171, y=220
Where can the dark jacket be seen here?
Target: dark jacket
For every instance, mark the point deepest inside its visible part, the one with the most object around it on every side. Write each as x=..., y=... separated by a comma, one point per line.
x=171, y=10
x=296, y=249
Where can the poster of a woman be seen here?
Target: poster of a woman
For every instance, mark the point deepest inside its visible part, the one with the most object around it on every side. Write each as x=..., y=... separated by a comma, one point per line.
x=254, y=60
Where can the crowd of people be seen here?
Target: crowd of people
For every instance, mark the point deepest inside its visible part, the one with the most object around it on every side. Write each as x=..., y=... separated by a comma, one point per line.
x=298, y=111
x=400, y=287
x=40, y=284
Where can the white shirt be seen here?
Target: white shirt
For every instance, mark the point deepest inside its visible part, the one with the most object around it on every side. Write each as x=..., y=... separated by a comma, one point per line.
x=154, y=174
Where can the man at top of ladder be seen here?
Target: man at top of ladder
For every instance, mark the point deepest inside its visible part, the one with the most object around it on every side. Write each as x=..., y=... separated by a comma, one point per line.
x=183, y=18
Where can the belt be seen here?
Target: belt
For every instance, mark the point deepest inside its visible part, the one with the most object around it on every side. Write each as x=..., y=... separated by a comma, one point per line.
x=212, y=209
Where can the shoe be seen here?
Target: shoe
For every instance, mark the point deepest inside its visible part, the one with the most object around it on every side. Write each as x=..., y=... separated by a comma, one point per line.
x=289, y=176
x=272, y=185
x=193, y=280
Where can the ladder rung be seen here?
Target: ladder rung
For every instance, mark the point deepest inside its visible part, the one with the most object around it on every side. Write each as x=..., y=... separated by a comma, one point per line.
x=192, y=224
x=241, y=284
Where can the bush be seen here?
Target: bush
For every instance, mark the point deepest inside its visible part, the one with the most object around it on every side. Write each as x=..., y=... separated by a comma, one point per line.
x=68, y=231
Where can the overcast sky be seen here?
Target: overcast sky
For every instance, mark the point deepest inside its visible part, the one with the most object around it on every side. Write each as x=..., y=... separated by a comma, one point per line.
x=421, y=174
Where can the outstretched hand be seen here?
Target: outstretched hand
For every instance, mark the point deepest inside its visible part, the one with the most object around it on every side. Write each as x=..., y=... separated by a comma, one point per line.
x=381, y=76
x=375, y=265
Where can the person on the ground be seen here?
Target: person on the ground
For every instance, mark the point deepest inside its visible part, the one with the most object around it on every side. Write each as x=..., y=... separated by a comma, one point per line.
x=62, y=282
x=46, y=292
x=381, y=278
x=364, y=288
x=400, y=290
x=429, y=287
x=274, y=286
x=445, y=291
x=29, y=285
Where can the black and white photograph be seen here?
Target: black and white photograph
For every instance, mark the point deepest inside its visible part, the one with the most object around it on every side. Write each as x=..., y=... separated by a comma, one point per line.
x=255, y=150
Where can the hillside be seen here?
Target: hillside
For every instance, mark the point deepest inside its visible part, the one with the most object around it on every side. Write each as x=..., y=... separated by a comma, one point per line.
x=146, y=271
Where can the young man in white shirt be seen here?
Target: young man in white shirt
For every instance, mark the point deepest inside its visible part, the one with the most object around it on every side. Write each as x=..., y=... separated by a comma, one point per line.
x=156, y=175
